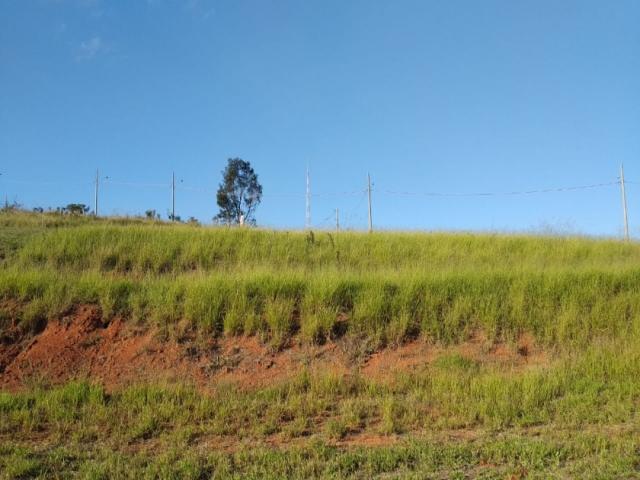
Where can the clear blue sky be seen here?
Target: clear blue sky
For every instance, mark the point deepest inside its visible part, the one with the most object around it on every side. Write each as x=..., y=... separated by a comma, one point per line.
x=429, y=96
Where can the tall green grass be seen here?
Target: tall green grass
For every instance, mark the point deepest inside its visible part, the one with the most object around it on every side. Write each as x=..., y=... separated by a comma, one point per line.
x=386, y=286
x=558, y=308
x=141, y=249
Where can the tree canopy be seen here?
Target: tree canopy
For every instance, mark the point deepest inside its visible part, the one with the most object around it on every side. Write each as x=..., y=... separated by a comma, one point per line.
x=76, y=208
x=239, y=193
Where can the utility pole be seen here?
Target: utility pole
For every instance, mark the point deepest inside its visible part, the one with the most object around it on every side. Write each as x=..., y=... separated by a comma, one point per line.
x=95, y=204
x=369, y=195
x=624, y=204
x=307, y=220
x=173, y=196
x=6, y=199
x=337, y=221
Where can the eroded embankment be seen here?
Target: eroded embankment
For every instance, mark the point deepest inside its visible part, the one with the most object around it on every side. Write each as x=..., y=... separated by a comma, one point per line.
x=116, y=353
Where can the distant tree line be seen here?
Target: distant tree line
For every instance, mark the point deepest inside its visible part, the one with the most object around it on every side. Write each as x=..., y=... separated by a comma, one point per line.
x=238, y=197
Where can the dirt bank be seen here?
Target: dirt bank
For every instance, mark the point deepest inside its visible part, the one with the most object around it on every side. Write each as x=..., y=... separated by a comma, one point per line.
x=116, y=353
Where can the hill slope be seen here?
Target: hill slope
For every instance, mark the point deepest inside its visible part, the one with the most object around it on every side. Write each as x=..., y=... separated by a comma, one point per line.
x=132, y=349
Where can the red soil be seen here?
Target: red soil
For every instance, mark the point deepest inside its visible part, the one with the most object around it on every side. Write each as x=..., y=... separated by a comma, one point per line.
x=115, y=354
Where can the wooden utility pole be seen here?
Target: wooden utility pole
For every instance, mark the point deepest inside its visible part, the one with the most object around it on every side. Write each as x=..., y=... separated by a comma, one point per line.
x=337, y=220
x=624, y=204
x=95, y=203
x=6, y=199
x=307, y=220
x=369, y=195
x=173, y=196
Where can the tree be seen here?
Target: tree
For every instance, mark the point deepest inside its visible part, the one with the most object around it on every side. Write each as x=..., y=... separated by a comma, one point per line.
x=239, y=194
x=76, y=208
x=151, y=214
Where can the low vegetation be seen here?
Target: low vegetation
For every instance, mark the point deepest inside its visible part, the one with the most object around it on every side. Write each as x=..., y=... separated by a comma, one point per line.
x=574, y=415
x=389, y=286
x=576, y=418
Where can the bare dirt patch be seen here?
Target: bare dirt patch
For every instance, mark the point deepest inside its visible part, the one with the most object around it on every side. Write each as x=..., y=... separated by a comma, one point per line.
x=81, y=345
x=418, y=354
x=115, y=353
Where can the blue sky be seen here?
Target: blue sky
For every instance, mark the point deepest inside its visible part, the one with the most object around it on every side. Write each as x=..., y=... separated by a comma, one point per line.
x=448, y=96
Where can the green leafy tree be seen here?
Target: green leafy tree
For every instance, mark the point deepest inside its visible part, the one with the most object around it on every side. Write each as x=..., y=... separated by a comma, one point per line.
x=76, y=208
x=239, y=193
x=151, y=214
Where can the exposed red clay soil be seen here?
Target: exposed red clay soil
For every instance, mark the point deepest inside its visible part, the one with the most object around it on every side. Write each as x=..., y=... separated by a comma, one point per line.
x=81, y=345
x=416, y=355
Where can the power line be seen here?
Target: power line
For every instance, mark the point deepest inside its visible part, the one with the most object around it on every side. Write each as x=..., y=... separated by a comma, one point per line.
x=351, y=193
x=36, y=182
x=328, y=194
x=496, y=194
x=137, y=184
x=325, y=221
x=352, y=215
x=278, y=195
x=362, y=193
x=211, y=191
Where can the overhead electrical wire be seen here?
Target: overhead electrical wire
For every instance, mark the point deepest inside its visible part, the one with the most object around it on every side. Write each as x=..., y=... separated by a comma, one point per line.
x=494, y=194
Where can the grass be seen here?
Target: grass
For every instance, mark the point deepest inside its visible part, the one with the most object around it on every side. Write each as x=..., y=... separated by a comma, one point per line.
x=560, y=420
x=389, y=286
x=159, y=249
x=582, y=456
x=558, y=308
x=575, y=416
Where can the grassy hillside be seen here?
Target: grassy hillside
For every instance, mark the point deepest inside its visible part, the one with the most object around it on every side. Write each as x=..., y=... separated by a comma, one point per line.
x=456, y=419
x=573, y=415
x=161, y=249
x=388, y=286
